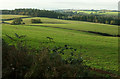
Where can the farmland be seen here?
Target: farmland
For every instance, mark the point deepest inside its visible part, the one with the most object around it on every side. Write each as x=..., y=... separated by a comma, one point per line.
x=11, y=16
x=99, y=12
x=98, y=51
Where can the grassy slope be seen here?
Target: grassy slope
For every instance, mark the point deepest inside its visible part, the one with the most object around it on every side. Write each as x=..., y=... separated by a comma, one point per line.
x=99, y=51
x=11, y=16
x=76, y=25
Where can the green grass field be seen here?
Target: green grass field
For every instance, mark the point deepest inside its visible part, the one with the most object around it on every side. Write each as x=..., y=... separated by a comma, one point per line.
x=106, y=13
x=97, y=51
x=11, y=16
x=75, y=25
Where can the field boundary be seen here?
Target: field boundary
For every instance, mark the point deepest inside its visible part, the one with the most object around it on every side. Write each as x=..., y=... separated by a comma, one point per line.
x=104, y=72
x=97, y=33
x=14, y=18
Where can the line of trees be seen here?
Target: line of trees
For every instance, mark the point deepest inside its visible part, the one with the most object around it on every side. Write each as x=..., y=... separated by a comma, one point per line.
x=106, y=19
x=92, y=17
x=33, y=12
x=97, y=19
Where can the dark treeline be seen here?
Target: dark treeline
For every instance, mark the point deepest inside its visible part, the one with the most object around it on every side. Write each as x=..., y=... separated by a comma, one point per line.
x=33, y=12
x=69, y=15
x=96, y=18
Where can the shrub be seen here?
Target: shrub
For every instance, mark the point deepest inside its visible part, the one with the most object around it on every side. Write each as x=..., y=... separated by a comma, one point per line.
x=36, y=21
x=3, y=22
x=15, y=62
x=20, y=62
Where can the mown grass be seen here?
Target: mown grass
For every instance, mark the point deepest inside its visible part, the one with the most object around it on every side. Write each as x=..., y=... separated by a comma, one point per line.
x=97, y=51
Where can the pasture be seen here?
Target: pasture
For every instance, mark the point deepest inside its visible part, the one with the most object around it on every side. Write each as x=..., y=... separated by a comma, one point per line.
x=99, y=12
x=11, y=16
x=98, y=51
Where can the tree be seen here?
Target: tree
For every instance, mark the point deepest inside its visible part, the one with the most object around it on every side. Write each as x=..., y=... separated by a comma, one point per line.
x=17, y=21
x=106, y=22
x=36, y=21
x=34, y=13
x=112, y=22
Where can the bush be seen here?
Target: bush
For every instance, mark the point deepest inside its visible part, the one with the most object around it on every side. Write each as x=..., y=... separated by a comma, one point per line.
x=36, y=21
x=15, y=62
x=20, y=62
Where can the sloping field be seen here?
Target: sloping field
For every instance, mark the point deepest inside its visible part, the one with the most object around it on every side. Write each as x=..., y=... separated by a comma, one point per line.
x=11, y=16
x=75, y=25
x=98, y=51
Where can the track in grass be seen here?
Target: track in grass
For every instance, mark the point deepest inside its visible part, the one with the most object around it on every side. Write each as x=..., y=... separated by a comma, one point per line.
x=98, y=33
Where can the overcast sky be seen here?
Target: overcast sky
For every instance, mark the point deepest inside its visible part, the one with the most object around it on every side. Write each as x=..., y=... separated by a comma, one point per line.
x=59, y=4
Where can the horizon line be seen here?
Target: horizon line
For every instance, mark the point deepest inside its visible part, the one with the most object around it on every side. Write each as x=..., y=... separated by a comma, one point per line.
x=59, y=9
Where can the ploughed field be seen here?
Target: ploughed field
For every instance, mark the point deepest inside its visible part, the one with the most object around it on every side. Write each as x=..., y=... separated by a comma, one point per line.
x=98, y=43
